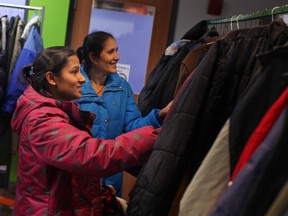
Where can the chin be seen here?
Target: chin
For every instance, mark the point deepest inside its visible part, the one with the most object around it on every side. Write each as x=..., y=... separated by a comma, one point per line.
x=78, y=96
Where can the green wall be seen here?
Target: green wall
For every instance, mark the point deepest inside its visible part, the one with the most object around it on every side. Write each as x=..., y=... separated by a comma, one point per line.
x=55, y=21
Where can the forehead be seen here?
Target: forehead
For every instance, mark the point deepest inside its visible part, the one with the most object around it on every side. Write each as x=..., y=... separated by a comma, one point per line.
x=110, y=43
x=72, y=61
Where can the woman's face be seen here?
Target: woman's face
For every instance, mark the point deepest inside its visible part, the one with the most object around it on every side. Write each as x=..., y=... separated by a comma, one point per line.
x=108, y=57
x=68, y=84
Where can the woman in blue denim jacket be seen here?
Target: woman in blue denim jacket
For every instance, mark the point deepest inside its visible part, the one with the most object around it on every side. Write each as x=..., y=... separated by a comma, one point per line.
x=109, y=96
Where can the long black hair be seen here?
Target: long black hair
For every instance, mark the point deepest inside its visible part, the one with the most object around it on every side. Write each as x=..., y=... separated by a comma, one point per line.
x=50, y=59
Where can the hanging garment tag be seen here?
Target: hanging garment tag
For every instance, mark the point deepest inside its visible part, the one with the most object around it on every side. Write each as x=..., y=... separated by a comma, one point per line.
x=3, y=168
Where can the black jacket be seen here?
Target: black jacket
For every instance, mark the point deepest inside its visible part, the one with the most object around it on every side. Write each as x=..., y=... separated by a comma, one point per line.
x=160, y=87
x=199, y=113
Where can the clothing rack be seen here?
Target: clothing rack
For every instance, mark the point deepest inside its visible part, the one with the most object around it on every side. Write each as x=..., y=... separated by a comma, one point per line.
x=255, y=15
x=4, y=200
x=25, y=7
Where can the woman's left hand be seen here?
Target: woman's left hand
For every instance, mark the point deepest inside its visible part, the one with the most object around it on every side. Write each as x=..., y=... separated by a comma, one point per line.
x=165, y=110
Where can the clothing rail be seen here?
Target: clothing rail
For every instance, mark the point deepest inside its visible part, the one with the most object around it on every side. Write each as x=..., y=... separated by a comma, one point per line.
x=256, y=15
x=25, y=7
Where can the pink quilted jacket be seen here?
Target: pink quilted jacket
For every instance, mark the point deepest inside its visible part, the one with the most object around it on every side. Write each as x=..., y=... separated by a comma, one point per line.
x=60, y=164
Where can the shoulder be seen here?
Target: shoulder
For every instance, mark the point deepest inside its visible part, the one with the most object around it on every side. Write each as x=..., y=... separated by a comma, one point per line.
x=47, y=113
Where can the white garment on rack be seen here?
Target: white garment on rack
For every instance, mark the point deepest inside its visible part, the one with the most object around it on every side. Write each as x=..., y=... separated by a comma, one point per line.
x=34, y=20
x=285, y=19
x=4, y=21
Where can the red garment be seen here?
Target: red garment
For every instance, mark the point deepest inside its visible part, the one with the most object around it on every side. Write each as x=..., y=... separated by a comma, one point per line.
x=60, y=165
x=260, y=132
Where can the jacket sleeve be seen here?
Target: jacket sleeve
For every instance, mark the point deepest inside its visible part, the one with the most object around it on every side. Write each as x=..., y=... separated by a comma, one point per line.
x=62, y=145
x=133, y=117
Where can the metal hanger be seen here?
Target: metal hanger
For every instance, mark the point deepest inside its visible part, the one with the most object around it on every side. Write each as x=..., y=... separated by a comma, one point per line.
x=272, y=11
x=237, y=20
x=231, y=20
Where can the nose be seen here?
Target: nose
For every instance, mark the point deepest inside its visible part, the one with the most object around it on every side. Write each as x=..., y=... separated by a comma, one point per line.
x=117, y=57
x=81, y=78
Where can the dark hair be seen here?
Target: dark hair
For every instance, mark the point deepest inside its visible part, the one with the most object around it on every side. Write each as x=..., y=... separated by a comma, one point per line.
x=50, y=59
x=93, y=42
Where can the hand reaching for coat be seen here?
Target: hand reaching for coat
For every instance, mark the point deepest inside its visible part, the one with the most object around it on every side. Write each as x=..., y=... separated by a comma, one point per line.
x=165, y=110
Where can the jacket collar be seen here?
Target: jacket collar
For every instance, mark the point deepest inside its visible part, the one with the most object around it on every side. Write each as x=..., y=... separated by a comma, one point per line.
x=113, y=83
x=32, y=100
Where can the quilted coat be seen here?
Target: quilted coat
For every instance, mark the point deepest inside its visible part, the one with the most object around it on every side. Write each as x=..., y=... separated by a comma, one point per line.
x=200, y=110
x=60, y=163
x=116, y=109
x=116, y=113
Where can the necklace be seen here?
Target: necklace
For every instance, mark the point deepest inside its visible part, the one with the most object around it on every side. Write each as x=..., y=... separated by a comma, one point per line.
x=100, y=90
x=94, y=86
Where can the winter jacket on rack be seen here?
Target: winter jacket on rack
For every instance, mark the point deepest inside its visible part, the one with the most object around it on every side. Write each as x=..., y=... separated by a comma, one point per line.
x=60, y=163
x=192, y=59
x=266, y=91
x=3, y=57
x=171, y=82
x=18, y=45
x=199, y=113
x=269, y=135
x=12, y=30
x=5, y=129
x=197, y=31
x=33, y=45
x=271, y=82
x=161, y=84
x=151, y=93
x=210, y=180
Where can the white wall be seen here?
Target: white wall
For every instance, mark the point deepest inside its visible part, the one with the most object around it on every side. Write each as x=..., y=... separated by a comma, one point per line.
x=190, y=12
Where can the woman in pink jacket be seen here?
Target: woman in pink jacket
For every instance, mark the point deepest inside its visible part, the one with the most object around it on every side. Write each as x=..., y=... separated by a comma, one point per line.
x=59, y=162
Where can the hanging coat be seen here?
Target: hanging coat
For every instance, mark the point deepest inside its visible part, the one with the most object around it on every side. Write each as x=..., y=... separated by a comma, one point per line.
x=18, y=45
x=271, y=136
x=219, y=163
x=199, y=113
x=12, y=30
x=3, y=57
x=32, y=47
